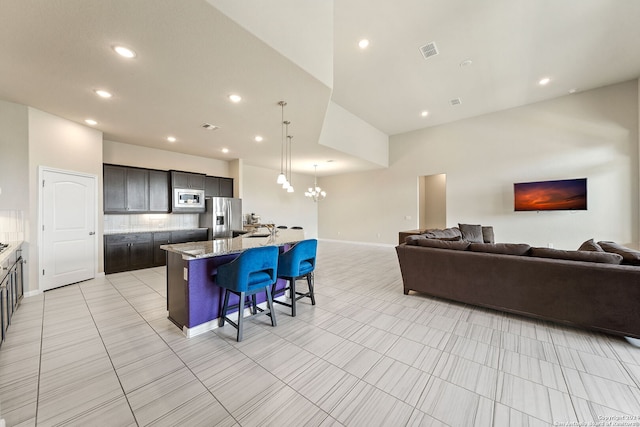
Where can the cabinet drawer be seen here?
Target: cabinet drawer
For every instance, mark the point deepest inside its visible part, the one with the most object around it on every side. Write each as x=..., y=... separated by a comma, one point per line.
x=184, y=236
x=128, y=238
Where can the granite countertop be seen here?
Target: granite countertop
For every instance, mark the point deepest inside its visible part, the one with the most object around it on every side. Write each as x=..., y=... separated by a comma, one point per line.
x=211, y=248
x=9, y=250
x=151, y=230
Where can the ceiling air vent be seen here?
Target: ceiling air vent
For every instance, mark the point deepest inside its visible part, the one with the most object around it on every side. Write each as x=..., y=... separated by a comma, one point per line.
x=455, y=101
x=209, y=126
x=428, y=50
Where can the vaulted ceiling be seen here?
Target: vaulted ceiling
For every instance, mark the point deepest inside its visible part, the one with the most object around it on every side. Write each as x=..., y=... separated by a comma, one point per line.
x=191, y=55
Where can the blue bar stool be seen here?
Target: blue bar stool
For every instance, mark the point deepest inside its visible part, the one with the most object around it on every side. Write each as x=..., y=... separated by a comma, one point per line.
x=252, y=272
x=297, y=263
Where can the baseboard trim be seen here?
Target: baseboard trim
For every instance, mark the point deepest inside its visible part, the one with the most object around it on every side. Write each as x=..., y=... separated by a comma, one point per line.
x=213, y=324
x=32, y=293
x=384, y=245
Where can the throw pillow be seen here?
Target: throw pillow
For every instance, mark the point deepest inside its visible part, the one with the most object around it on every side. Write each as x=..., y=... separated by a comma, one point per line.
x=447, y=233
x=629, y=256
x=588, y=256
x=460, y=245
x=590, y=245
x=471, y=233
x=487, y=234
x=501, y=248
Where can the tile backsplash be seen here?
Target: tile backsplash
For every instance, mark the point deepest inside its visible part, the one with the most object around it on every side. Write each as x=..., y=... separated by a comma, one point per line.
x=11, y=226
x=149, y=222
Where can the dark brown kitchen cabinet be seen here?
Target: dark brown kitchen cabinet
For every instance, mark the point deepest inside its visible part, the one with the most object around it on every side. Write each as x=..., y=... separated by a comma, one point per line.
x=133, y=251
x=226, y=187
x=218, y=187
x=126, y=190
x=158, y=191
x=193, y=181
x=11, y=288
x=159, y=255
x=124, y=252
x=211, y=186
x=184, y=236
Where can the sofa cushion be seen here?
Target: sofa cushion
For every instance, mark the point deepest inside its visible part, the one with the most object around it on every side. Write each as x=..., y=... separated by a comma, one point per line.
x=590, y=245
x=487, y=234
x=450, y=239
x=447, y=233
x=501, y=248
x=588, y=256
x=471, y=233
x=629, y=256
x=460, y=245
x=412, y=239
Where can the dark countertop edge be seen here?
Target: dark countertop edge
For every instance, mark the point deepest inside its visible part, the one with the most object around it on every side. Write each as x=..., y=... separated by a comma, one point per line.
x=187, y=255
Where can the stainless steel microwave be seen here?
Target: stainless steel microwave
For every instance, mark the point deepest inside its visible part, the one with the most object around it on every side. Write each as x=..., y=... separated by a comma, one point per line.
x=188, y=198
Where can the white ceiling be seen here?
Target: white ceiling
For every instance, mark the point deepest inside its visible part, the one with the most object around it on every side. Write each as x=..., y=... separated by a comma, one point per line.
x=54, y=53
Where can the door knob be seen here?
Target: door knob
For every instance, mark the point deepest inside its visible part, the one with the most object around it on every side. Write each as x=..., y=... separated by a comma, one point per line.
x=91, y=233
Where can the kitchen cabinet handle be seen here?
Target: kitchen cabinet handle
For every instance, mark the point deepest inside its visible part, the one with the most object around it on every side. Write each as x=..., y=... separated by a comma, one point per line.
x=91, y=233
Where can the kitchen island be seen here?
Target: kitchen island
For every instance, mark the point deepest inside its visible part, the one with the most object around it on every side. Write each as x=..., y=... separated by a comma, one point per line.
x=193, y=299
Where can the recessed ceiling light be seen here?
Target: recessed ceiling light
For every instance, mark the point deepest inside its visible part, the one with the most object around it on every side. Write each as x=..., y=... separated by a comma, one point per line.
x=572, y=91
x=258, y=138
x=171, y=139
x=364, y=43
x=424, y=113
x=91, y=122
x=466, y=63
x=124, y=51
x=225, y=150
x=235, y=98
x=103, y=93
x=544, y=81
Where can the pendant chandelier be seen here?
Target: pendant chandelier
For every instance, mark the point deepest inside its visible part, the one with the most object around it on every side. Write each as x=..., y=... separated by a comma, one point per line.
x=282, y=178
x=285, y=154
x=316, y=192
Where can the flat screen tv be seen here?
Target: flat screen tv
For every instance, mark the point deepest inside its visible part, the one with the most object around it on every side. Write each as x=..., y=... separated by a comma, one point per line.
x=562, y=195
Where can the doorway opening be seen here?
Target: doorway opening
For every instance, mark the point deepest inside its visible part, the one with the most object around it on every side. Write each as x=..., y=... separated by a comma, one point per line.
x=432, y=201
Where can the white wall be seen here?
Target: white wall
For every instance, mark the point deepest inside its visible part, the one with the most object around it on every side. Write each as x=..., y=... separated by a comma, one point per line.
x=14, y=157
x=119, y=153
x=350, y=134
x=14, y=174
x=593, y=134
x=60, y=144
x=262, y=196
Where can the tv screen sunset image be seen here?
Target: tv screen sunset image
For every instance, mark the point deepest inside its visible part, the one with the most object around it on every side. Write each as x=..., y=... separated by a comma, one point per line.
x=568, y=194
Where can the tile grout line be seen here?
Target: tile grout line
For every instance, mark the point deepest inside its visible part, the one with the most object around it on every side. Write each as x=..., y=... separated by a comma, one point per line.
x=564, y=377
x=106, y=350
x=44, y=300
x=624, y=364
x=186, y=365
x=338, y=367
x=286, y=384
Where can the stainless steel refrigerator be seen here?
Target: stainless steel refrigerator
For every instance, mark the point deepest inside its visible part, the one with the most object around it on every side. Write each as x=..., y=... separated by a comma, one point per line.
x=223, y=217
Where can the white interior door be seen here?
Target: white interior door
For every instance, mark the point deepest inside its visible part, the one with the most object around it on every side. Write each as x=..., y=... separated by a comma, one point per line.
x=68, y=228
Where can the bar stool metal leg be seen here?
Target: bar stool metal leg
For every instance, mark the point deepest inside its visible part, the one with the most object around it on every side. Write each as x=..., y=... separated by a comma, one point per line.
x=311, y=282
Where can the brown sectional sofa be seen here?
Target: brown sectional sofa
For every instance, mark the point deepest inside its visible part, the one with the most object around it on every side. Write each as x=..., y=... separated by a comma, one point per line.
x=599, y=294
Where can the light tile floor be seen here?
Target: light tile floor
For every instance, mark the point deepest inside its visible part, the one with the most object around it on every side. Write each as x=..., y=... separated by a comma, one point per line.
x=102, y=353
